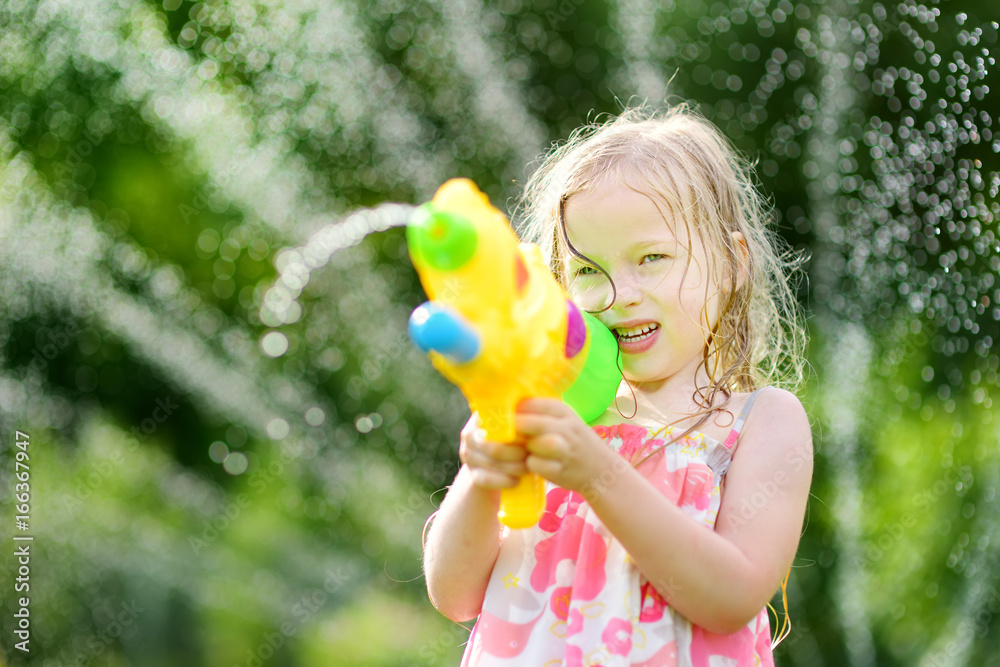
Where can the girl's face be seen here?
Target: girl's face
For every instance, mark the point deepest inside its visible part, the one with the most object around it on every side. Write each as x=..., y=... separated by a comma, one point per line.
x=661, y=275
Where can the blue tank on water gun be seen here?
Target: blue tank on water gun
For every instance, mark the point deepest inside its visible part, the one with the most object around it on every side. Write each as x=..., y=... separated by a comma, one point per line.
x=500, y=326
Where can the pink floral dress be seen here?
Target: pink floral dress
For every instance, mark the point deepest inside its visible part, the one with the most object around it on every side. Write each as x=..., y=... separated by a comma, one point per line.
x=566, y=592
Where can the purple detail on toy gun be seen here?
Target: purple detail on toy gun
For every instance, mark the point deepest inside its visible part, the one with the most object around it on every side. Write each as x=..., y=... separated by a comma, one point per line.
x=576, y=330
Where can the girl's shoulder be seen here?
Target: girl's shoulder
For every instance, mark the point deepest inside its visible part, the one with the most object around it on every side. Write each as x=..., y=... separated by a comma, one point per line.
x=766, y=403
x=779, y=409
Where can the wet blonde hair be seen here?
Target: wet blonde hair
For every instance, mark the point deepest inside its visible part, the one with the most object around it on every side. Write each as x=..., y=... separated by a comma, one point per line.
x=686, y=165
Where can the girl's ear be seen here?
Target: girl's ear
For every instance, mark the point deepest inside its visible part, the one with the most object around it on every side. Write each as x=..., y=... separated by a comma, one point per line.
x=742, y=258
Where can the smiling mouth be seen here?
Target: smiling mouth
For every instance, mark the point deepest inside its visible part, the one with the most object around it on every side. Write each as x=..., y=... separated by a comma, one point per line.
x=637, y=336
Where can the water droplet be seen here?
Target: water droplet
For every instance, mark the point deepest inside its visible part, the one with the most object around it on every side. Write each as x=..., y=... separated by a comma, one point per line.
x=278, y=429
x=218, y=451
x=235, y=463
x=364, y=424
x=315, y=416
x=274, y=343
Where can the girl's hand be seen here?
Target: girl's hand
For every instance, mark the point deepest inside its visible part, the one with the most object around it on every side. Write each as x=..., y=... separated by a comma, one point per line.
x=493, y=465
x=561, y=447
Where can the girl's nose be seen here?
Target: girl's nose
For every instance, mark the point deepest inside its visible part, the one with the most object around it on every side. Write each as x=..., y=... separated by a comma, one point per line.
x=628, y=288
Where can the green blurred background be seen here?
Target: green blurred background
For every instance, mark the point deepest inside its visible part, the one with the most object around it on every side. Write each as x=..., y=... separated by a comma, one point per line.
x=233, y=447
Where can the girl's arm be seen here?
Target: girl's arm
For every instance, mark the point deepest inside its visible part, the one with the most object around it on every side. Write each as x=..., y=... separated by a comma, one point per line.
x=462, y=546
x=717, y=579
x=464, y=538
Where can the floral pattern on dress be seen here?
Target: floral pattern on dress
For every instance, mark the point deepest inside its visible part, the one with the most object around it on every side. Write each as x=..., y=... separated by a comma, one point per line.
x=585, y=603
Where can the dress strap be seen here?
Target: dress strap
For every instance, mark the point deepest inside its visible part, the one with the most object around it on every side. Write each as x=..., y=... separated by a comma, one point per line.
x=738, y=426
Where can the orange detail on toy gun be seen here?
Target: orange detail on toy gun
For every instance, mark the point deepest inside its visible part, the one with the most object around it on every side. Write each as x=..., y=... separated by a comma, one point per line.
x=501, y=327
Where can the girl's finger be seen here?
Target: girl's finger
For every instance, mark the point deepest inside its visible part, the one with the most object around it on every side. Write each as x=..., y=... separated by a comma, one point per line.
x=529, y=423
x=482, y=457
x=545, y=467
x=553, y=414
x=550, y=446
x=502, y=451
x=475, y=438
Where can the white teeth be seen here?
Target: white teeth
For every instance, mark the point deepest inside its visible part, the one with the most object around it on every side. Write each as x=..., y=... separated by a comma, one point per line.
x=640, y=333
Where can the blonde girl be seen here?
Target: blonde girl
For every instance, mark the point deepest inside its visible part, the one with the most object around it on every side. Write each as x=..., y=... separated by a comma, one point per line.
x=660, y=545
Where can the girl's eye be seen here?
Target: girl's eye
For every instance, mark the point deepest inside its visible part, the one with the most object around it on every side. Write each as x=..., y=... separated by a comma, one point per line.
x=590, y=271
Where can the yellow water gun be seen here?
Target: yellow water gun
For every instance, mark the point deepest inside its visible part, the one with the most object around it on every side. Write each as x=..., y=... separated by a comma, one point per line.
x=501, y=327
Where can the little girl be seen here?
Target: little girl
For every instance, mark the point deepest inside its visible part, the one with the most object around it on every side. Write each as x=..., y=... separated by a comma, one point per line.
x=659, y=546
